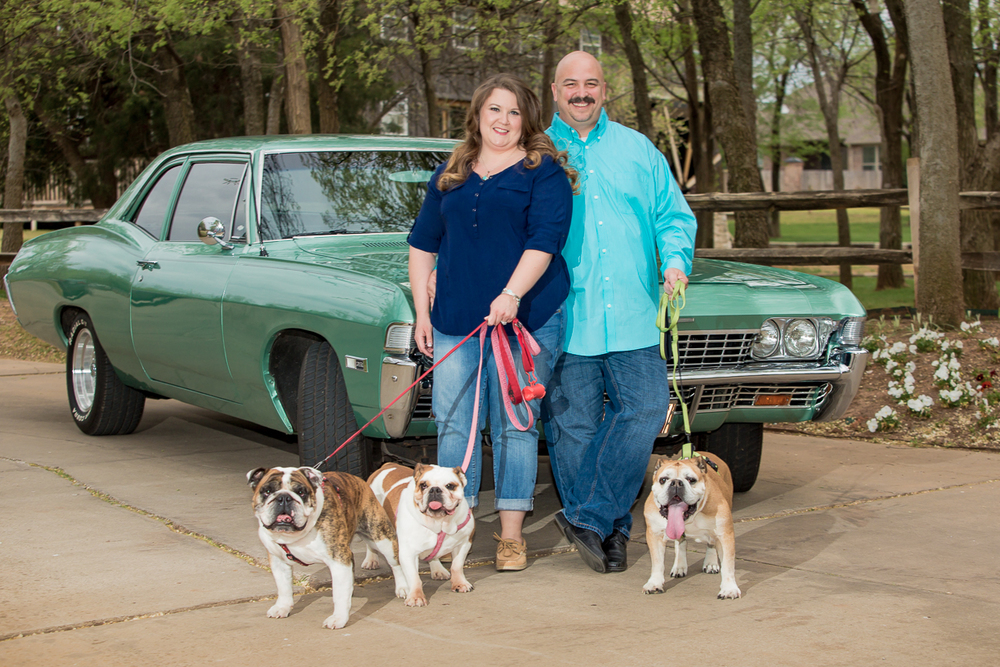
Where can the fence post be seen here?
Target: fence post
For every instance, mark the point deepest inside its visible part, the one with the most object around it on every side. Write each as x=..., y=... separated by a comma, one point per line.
x=913, y=187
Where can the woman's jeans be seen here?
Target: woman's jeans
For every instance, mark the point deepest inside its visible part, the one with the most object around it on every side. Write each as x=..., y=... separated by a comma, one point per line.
x=600, y=451
x=515, y=453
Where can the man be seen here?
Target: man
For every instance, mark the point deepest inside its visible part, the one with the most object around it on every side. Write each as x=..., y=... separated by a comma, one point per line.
x=629, y=208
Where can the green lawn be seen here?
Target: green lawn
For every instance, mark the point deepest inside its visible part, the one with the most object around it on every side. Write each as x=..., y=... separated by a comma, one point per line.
x=821, y=226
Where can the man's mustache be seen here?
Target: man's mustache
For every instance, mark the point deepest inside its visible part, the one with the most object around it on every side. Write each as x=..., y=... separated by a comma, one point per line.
x=586, y=98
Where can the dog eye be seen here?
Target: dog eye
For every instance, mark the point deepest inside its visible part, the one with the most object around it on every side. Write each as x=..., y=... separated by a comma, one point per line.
x=664, y=480
x=692, y=480
x=423, y=485
x=451, y=487
x=264, y=493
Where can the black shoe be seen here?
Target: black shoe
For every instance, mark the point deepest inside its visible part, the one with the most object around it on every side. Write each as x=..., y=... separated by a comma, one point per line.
x=563, y=525
x=588, y=543
x=615, y=550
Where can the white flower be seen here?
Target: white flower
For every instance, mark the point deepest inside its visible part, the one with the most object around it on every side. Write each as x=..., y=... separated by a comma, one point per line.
x=941, y=373
x=885, y=412
x=991, y=342
x=889, y=365
x=872, y=425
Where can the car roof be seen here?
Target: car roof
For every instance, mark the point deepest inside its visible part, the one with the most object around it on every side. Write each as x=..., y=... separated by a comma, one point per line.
x=319, y=142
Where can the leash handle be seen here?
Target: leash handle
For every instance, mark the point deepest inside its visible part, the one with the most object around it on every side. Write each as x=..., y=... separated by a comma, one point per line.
x=675, y=302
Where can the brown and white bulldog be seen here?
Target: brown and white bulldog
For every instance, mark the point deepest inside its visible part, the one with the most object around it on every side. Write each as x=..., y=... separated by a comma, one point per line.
x=433, y=518
x=308, y=517
x=691, y=498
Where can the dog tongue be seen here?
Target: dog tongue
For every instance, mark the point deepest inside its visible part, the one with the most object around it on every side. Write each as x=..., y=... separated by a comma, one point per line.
x=675, y=520
x=284, y=518
x=434, y=505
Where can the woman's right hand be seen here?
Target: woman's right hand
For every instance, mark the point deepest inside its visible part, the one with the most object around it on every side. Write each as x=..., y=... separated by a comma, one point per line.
x=424, y=335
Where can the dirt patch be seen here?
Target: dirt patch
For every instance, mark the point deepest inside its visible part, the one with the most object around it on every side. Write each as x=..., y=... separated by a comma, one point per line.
x=16, y=343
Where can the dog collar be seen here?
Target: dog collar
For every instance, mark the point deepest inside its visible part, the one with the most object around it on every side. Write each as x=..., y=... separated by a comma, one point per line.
x=442, y=535
x=289, y=556
x=708, y=461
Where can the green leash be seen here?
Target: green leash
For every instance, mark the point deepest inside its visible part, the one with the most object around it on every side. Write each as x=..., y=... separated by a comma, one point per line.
x=674, y=304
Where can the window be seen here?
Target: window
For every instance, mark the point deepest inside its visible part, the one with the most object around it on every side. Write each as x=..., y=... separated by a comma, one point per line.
x=153, y=211
x=394, y=27
x=209, y=190
x=463, y=30
x=869, y=158
x=357, y=192
x=397, y=121
x=590, y=41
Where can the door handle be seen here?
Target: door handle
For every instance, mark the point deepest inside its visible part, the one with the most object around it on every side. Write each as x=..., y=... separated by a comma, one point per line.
x=148, y=264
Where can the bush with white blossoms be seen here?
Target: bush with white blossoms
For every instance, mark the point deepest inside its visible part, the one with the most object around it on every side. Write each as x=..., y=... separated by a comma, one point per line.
x=951, y=348
x=873, y=343
x=947, y=375
x=885, y=419
x=926, y=340
x=903, y=391
x=971, y=328
x=921, y=406
x=991, y=345
x=962, y=394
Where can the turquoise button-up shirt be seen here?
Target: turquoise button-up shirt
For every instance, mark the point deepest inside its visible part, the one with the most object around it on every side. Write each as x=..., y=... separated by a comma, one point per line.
x=628, y=209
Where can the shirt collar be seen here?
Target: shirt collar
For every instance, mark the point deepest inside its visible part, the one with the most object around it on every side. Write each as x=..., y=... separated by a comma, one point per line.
x=565, y=131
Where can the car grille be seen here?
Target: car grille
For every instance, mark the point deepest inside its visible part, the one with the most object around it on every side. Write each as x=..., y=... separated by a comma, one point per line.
x=708, y=350
x=729, y=396
x=423, y=409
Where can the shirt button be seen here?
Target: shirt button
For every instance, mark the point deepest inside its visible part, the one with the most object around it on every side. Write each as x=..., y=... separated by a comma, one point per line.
x=477, y=194
x=592, y=171
x=473, y=210
x=607, y=279
x=609, y=305
x=604, y=250
x=600, y=222
x=595, y=196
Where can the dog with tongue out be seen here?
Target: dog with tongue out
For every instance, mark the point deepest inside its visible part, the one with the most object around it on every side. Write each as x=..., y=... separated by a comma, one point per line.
x=692, y=499
x=433, y=518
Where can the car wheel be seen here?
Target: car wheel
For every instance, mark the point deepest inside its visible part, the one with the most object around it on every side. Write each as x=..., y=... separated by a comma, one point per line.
x=739, y=445
x=101, y=404
x=326, y=417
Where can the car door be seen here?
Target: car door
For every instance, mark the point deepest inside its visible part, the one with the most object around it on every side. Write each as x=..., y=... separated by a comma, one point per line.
x=177, y=291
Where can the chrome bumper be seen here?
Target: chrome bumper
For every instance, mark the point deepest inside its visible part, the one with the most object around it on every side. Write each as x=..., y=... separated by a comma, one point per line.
x=397, y=374
x=843, y=372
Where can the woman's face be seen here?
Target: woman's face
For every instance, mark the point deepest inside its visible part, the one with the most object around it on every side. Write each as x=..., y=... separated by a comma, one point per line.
x=500, y=120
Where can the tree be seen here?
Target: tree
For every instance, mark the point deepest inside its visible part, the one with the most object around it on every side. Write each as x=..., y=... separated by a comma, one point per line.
x=731, y=125
x=939, y=294
x=637, y=65
x=296, y=71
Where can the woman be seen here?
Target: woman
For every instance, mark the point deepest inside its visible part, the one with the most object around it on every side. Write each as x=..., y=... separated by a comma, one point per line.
x=494, y=221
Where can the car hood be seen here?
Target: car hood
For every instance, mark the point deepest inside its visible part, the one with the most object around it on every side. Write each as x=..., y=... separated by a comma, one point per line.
x=380, y=256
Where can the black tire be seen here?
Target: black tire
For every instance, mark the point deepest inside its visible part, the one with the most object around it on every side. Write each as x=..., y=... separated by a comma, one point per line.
x=326, y=417
x=740, y=446
x=101, y=404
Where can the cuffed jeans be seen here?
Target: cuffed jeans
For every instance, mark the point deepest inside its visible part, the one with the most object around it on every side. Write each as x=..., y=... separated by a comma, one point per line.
x=515, y=453
x=599, y=452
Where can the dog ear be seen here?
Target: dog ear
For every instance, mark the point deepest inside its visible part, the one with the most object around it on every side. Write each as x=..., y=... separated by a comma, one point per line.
x=419, y=471
x=702, y=464
x=659, y=463
x=314, y=476
x=253, y=477
x=460, y=474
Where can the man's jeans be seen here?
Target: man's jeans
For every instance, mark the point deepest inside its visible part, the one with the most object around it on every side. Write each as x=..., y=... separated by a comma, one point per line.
x=600, y=452
x=515, y=453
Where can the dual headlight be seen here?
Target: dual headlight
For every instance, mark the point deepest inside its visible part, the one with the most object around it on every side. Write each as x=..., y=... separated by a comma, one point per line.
x=793, y=338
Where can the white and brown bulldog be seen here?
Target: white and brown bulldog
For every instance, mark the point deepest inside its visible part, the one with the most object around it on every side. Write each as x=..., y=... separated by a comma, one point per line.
x=692, y=498
x=433, y=518
x=308, y=517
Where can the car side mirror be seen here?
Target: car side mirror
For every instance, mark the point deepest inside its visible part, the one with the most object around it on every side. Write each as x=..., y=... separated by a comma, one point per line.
x=211, y=232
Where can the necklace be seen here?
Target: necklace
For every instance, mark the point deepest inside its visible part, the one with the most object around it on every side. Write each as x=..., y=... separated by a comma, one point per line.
x=497, y=169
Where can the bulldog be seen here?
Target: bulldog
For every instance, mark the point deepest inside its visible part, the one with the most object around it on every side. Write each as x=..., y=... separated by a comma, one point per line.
x=433, y=518
x=308, y=517
x=692, y=498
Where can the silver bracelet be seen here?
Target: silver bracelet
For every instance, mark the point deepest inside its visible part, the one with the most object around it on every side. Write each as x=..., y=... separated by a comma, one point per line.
x=510, y=292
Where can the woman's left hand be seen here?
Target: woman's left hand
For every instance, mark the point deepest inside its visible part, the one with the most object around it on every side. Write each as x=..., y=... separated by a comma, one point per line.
x=503, y=310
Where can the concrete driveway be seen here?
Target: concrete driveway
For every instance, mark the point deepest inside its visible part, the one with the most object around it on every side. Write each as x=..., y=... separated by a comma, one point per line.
x=142, y=550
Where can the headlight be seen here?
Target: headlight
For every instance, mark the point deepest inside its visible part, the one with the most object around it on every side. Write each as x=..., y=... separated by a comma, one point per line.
x=852, y=330
x=767, y=340
x=399, y=337
x=800, y=338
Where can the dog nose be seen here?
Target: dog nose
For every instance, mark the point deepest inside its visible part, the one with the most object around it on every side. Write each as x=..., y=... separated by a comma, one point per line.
x=435, y=493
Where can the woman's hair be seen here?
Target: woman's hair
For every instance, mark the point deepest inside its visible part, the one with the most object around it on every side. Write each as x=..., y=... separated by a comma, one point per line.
x=533, y=139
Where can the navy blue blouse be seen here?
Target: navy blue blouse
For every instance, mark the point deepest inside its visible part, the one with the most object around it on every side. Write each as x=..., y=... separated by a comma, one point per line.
x=480, y=229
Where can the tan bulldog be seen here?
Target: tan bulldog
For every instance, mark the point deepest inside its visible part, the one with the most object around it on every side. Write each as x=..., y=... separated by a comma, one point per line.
x=433, y=518
x=692, y=498
x=308, y=517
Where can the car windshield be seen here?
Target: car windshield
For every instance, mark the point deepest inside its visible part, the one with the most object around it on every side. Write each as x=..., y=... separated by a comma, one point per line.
x=343, y=192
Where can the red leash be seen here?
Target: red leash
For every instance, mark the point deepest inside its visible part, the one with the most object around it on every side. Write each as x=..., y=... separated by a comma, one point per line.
x=512, y=391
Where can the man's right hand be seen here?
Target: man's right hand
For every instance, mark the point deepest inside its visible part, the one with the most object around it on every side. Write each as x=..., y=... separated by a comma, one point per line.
x=423, y=334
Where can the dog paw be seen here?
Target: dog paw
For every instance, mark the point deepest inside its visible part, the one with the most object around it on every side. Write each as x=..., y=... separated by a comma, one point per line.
x=677, y=573
x=279, y=611
x=461, y=587
x=370, y=563
x=730, y=593
x=711, y=568
x=401, y=592
x=416, y=601
x=438, y=572
x=652, y=588
x=334, y=622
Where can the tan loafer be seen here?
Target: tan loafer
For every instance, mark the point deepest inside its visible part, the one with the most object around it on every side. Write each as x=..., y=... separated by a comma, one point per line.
x=511, y=554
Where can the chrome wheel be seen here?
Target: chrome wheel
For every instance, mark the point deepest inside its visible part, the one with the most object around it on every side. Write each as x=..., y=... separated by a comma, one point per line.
x=84, y=370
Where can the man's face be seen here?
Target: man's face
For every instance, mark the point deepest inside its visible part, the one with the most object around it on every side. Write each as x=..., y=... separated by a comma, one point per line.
x=579, y=92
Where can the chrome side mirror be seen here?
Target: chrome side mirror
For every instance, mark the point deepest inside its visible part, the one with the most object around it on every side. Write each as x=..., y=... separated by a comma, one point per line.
x=211, y=232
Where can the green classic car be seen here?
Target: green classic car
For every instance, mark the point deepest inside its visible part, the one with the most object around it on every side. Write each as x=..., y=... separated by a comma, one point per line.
x=266, y=278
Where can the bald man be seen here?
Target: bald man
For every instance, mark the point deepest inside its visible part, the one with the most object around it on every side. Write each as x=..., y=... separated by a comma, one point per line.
x=629, y=208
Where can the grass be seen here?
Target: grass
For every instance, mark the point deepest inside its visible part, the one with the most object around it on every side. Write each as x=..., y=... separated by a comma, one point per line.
x=821, y=226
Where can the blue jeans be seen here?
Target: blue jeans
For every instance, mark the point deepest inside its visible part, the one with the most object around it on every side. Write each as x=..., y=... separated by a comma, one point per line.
x=515, y=453
x=600, y=452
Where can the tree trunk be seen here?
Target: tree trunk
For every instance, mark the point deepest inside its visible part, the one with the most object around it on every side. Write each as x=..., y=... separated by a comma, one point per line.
x=829, y=102
x=780, y=89
x=976, y=172
x=96, y=182
x=991, y=55
x=297, y=109
x=430, y=95
x=13, y=194
x=640, y=87
x=251, y=85
x=177, y=105
x=549, y=68
x=328, y=84
x=890, y=88
x=699, y=130
x=743, y=59
x=940, y=293
x=276, y=102
x=731, y=125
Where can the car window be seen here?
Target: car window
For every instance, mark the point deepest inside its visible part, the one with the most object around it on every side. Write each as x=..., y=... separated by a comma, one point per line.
x=153, y=211
x=238, y=234
x=356, y=192
x=209, y=190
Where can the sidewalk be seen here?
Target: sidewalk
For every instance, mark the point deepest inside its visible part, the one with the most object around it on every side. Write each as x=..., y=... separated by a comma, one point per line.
x=142, y=550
